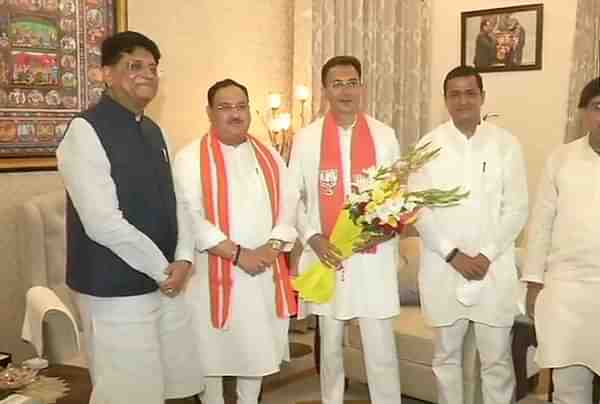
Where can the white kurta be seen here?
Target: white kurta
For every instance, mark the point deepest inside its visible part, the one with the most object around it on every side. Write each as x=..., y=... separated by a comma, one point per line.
x=563, y=253
x=255, y=341
x=85, y=169
x=368, y=286
x=490, y=165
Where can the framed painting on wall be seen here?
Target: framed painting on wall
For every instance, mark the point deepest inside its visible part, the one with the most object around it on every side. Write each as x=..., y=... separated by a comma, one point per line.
x=49, y=72
x=503, y=39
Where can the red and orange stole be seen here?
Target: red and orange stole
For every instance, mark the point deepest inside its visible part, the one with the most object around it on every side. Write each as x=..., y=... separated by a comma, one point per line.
x=331, y=175
x=215, y=195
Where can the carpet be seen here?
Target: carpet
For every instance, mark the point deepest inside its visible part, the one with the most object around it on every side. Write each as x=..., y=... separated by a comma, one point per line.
x=345, y=402
x=297, y=350
x=405, y=400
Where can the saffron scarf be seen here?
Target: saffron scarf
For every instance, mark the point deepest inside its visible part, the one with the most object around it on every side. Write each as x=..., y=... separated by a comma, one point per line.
x=331, y=175
x=215, y=195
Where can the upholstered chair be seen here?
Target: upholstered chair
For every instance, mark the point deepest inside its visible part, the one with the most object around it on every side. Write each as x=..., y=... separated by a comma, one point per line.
x=42, y=251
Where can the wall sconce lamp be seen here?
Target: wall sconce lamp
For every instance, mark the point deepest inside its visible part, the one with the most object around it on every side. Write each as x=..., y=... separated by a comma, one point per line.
x=279, y=126
x=302, y=94
x=274, y=103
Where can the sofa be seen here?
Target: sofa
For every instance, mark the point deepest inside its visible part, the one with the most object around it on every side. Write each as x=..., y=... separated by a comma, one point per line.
x=42, y=251
x=414, y=341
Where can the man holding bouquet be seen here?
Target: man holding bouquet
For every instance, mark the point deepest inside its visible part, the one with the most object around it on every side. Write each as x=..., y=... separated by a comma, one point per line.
x=329, y=155
x=468, y=275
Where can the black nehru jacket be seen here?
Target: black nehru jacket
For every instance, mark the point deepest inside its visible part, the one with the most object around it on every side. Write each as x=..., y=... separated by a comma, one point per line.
x=141, y=172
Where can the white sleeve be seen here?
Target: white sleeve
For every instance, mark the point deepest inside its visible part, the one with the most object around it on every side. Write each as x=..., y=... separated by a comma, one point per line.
x=429, y=230
x=540, y=228
x=285, y=229
x=185, y=239
x=305, y=231
x=204, y=234
x=514, y=207
x=85, y=169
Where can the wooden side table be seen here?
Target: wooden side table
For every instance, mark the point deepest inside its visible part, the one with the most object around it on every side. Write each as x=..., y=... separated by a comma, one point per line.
x=78, y=380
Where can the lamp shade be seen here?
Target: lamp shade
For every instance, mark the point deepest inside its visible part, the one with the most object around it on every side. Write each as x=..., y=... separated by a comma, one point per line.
x=274, y=100
x=285, y=121
x=302, y=93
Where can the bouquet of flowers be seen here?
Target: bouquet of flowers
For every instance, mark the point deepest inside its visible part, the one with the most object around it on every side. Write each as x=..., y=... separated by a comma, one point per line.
x=380, y=205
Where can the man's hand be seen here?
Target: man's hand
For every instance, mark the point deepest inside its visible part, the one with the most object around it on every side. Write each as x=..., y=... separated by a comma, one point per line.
x=327, y=252
x=178, y=272
x=471, y=268
x=267, y=253
x=253, y=262
x=295, y=258
x=533, y=290
x=482, y=262
x=367, y=243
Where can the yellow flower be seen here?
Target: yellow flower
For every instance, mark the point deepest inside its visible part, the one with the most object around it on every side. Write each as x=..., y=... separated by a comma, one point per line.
x=371, y=207
x=392, y=221
x=378, y=195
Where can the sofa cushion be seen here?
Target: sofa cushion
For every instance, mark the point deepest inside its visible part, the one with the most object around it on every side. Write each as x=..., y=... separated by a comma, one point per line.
x=409, y=296
x=408, y=288
x=414, y=338
x=352, y=335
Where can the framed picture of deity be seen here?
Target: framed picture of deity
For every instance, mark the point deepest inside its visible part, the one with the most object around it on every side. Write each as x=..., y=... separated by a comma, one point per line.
x=49, y=72
x=503, y=39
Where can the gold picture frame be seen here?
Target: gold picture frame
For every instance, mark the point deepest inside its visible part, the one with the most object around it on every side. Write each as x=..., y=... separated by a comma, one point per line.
x=117, y=9
x=503, y=39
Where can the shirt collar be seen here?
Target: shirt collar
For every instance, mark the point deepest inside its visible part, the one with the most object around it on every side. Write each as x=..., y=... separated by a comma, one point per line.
x=477, y=133
x=119, y=110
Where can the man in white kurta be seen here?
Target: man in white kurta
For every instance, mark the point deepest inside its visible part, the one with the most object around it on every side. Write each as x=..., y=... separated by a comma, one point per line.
x=366, y=284
x=468, y=273
x=254, y=340
x=127, y=259
x=563, y=261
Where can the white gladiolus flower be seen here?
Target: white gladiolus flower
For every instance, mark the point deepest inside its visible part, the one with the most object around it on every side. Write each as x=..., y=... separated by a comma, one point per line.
x=371, y=171
x=355, y=199
x=397, y=205
x=384, y=213
x=364, y=184
x=410, y=206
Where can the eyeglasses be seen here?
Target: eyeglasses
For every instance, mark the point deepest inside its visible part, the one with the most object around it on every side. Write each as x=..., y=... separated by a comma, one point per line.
x=593, y=106
x=469, y=94
x=339, y=84
x=241, y=107
x=137, y=67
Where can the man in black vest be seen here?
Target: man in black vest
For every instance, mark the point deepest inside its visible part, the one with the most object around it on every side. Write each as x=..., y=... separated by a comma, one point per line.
x=127, y=258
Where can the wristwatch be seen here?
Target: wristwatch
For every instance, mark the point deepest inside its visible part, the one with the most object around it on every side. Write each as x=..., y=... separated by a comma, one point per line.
x=275, y=244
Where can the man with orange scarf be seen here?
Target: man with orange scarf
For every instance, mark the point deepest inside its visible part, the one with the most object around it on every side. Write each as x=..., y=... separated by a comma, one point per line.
x=326, y=157
x=241, y=216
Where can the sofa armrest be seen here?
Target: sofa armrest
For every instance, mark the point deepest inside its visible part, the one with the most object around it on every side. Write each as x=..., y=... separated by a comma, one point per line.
x=50, y=326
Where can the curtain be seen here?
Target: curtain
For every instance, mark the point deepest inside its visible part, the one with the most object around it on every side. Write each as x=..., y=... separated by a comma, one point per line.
x=391, y=38
x=585, y=62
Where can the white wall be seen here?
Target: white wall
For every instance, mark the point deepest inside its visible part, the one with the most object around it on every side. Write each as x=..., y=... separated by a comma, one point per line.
x=532, y=104
x=206, y=41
